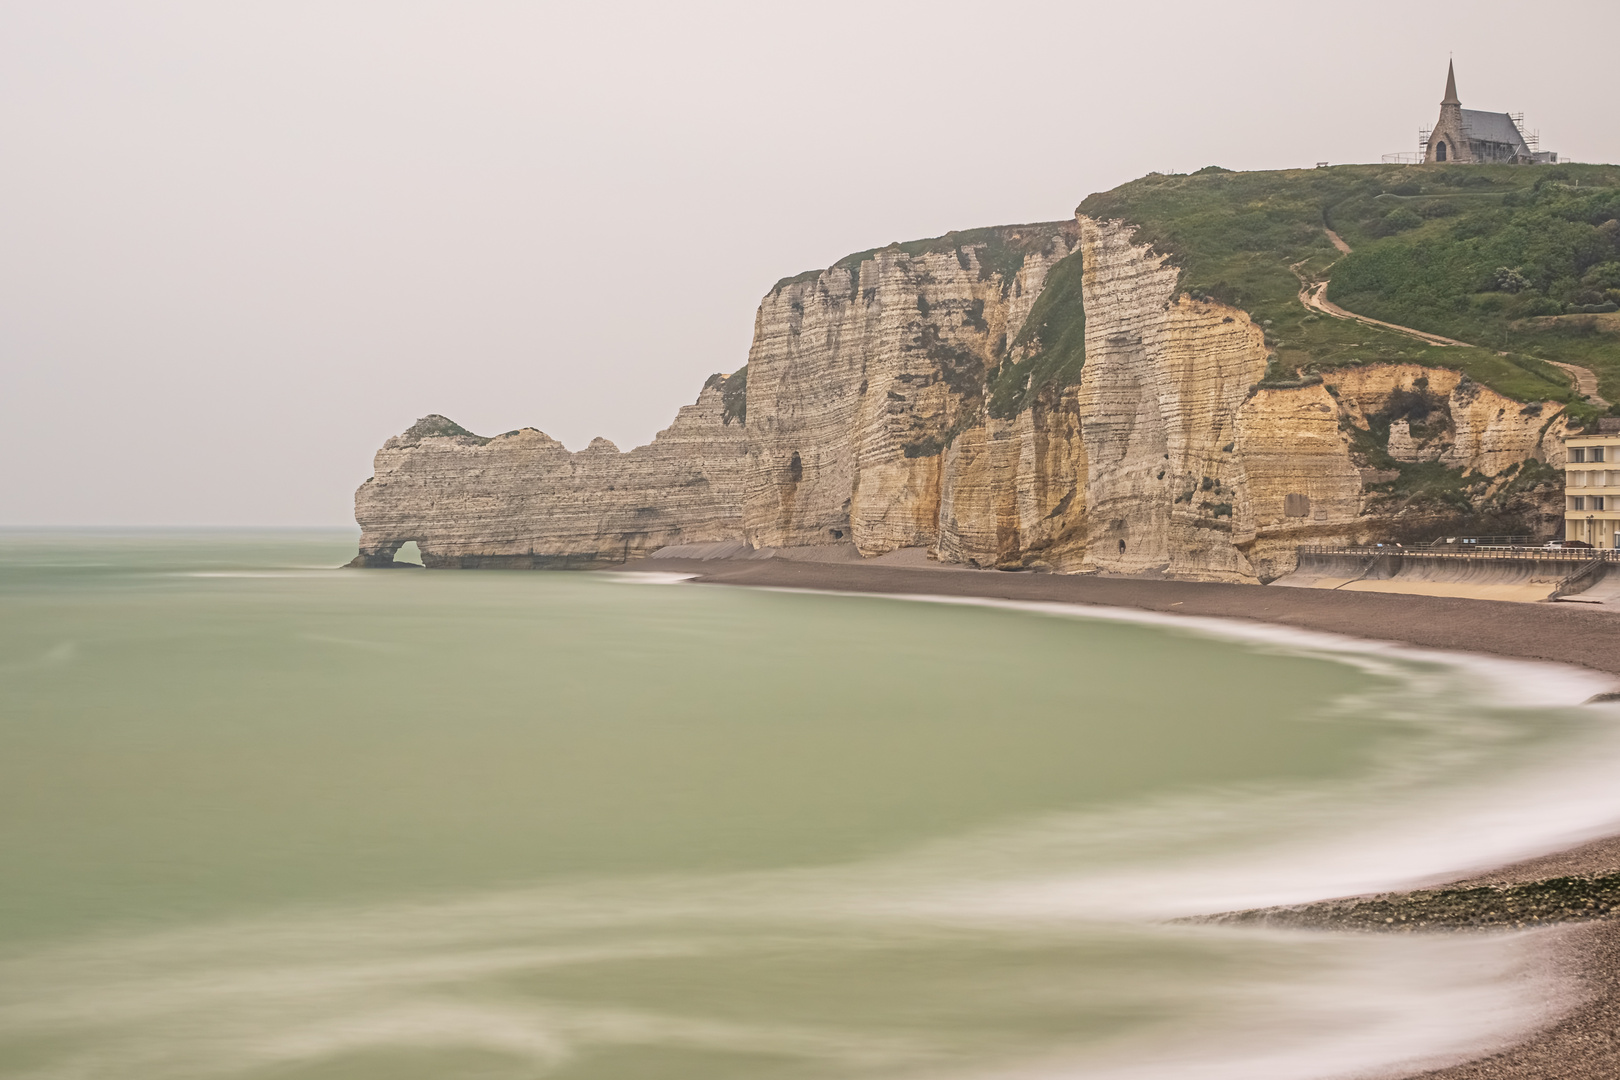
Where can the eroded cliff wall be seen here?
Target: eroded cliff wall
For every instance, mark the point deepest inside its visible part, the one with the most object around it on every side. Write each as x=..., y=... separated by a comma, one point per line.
x=523, y=500
x=861, y=377
x=871, y=418
x=1164, y=379
x=1013, y=492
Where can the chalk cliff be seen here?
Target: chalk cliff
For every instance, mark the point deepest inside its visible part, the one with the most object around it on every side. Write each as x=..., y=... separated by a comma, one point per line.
x=907, y=397
x=861, y=377
x=523, y=500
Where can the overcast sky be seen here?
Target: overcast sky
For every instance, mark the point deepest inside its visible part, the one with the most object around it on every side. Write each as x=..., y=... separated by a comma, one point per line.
x=243, y=243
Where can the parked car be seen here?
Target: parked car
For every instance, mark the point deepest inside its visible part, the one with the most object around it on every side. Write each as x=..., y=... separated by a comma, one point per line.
x=1568, y=544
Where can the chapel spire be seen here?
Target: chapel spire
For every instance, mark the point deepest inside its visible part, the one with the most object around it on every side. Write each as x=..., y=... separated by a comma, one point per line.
x=1451, y=85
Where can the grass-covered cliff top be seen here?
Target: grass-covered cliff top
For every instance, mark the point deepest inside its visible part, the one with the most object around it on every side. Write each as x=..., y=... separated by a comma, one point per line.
x=1521, y=262
x=435, y=426
x=999, y=249
x=1517, y=260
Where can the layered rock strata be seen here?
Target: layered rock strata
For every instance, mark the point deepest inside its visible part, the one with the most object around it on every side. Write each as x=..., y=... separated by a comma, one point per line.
x=1163, y=383
x=522, y=500
x=866, y=421
x=861, y=377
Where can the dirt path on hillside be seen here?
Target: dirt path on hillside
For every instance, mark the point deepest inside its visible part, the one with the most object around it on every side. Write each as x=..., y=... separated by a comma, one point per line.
x=1315, y=298
x=1585, y=381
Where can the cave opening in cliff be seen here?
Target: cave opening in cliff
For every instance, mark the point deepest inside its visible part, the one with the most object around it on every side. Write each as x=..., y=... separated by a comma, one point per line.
x=795, y=468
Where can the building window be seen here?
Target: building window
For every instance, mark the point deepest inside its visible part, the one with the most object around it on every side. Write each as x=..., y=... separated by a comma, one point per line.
x=1579, y=501
x=1597, y=453
x=1440, y=151
x=1597, y=502
x=1577, y=453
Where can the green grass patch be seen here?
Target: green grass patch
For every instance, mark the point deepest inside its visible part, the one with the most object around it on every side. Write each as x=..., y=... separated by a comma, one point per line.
x=1431, y=485
x=1531, y=477
x=733, y=394
x=1049, y=352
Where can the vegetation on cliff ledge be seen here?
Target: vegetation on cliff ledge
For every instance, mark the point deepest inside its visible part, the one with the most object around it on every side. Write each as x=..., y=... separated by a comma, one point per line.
x=1050, y=350
x=997, y=250
x=733, y=394
x=436, y=426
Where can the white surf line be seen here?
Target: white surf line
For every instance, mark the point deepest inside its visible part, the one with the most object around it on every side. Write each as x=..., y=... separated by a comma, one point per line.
x=1542, y=807
x=1574, y=685
x=646, y=577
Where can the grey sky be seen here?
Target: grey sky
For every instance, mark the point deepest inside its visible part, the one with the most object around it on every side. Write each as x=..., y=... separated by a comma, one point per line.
x=243, y=243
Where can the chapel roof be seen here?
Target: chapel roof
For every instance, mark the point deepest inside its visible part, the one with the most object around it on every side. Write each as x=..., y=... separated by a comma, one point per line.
x=1494, y=127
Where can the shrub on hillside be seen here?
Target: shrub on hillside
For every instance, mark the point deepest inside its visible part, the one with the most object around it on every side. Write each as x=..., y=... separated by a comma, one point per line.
x=1507, y=279
x=1400, y=219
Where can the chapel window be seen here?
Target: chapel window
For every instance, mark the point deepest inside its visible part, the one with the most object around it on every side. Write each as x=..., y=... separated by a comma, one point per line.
x=1440, y=152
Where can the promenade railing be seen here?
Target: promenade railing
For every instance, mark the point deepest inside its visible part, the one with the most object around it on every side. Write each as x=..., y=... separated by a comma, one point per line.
x=1519, y=540
x=1472, y=551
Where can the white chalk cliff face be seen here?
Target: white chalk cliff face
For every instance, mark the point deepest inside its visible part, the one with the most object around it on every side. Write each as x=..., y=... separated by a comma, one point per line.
x=859, y=380
x=1163, y=383
x=522, y=500
x=867, y=421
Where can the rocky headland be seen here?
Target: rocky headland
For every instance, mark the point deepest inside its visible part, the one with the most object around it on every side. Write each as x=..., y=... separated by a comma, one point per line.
x=1134, y=391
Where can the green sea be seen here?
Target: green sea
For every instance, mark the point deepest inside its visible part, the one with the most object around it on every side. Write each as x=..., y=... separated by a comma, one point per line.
x=262, y=818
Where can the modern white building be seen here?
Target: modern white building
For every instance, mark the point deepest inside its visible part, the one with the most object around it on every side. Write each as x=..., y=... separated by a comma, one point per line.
x=1592, y=486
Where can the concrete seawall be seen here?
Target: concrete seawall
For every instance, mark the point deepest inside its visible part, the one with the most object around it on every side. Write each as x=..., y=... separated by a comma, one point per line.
x=1522, y=574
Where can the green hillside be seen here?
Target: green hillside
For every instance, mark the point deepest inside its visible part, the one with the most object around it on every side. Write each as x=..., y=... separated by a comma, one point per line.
x=1523, y=262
